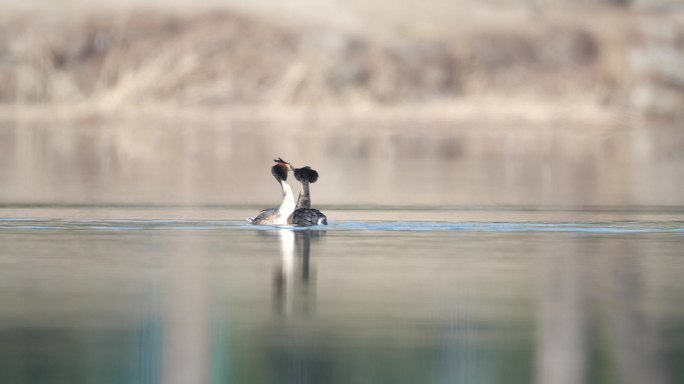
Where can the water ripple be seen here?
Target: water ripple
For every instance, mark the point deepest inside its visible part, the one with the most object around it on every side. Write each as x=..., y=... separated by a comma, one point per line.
x=14, y=224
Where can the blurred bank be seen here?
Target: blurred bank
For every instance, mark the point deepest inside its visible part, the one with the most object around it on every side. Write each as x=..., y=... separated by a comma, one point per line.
x=427, y=103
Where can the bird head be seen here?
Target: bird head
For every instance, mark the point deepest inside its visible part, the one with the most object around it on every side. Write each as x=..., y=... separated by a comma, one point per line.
x=281, y=168
x=306, y=174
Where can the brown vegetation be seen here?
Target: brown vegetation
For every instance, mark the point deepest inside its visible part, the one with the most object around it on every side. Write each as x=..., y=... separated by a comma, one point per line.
x=228, y=59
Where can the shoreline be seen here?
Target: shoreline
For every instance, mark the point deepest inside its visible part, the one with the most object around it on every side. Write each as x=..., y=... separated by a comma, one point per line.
x=481, y=111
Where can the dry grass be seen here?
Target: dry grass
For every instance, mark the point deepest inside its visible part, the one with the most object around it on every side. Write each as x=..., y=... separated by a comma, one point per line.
x=225, y=59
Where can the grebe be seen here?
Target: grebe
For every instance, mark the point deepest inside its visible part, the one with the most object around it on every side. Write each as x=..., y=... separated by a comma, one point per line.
x=304, y=215
x=275, y=216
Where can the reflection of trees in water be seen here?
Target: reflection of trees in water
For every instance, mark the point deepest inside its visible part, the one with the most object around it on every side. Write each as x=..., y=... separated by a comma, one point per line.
x=593, y=317
x=635, y=334
x=564, y=340
x=366, y=163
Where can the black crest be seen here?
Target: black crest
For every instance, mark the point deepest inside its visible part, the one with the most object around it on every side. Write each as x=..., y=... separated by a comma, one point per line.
x=280, y=170
x=306, y=174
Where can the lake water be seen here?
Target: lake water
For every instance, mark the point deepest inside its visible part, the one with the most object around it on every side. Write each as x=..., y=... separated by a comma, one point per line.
x=457, y=252
x=413, y=162
x=107, y=294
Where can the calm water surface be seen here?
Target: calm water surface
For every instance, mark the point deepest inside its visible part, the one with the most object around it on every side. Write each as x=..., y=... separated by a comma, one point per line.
x=103, y=295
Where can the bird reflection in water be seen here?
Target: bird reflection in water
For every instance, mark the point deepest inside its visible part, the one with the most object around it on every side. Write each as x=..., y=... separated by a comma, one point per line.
x=293, y=290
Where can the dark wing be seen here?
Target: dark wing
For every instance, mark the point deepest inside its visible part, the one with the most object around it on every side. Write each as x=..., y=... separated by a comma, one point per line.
x=307, y=217
x=265, y=217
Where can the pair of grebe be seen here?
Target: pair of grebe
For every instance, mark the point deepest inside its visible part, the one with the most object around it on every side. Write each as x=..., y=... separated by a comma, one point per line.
x=300, y=214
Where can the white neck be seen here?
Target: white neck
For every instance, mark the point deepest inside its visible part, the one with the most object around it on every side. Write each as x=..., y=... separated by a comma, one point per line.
x=288, y=205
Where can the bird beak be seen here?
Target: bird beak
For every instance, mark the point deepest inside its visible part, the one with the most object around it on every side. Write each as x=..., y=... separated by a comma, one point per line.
x=285, y=163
